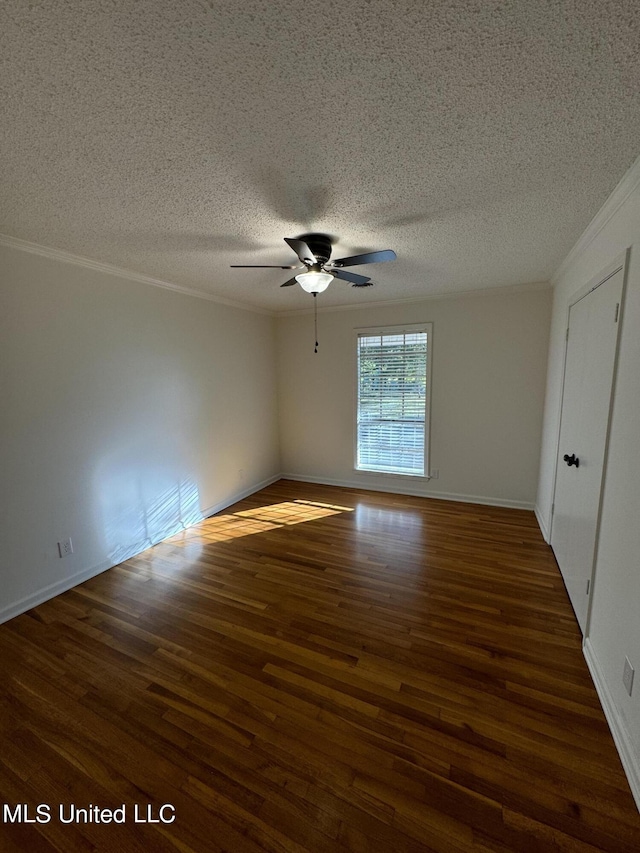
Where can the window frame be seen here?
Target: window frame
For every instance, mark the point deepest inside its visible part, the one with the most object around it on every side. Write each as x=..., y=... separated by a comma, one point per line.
x=404, y=328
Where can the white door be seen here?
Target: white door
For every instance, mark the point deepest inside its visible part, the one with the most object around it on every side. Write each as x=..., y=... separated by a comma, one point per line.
x=588, y=381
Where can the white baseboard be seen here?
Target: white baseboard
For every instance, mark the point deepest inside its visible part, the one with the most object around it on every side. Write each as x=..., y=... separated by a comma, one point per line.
x=542, y=524
x=50, y=591
x=621, y=736
x=250, y=490
x=399, y=487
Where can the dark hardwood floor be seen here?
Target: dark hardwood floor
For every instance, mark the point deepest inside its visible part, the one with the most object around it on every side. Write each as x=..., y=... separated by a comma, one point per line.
x=315, y=669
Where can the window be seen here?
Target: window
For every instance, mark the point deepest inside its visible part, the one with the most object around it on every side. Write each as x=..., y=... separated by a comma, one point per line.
x=393, y=400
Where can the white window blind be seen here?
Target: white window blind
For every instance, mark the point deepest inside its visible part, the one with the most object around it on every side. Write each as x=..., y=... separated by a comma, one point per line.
x=392, y=401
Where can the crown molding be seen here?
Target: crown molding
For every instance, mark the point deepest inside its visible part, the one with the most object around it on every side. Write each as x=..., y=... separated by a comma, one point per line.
x=427, y=297
x=110, y=269
x=627, y=185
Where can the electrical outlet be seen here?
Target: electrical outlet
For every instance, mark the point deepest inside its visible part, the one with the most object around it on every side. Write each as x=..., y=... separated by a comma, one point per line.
x=627, y=676
x=435, y=473
x=65, y=547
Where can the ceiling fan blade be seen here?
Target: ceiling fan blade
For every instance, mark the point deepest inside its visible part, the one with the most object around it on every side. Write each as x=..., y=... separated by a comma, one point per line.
x=354, y=278
x=265, y=267
x=302, y=250
x=289, y=283
x=367, y=258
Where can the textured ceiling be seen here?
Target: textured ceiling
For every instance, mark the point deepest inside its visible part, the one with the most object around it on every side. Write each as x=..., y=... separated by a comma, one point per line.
x=477, y=138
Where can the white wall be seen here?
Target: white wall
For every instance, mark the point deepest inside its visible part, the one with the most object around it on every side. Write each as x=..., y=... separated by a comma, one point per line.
x=489, y=368
x=614, y=628
x=125, y=410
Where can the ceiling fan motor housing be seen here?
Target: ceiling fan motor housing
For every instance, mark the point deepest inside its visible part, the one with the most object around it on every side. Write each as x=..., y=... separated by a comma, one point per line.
x=320, y=245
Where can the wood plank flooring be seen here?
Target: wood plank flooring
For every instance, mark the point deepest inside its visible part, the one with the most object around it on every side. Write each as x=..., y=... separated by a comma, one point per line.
x=315, y=669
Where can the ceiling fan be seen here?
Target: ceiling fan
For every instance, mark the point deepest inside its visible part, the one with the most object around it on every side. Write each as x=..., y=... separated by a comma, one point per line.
x=314, y=250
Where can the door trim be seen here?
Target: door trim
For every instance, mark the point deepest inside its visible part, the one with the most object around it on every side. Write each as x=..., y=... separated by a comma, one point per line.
x=621, y=262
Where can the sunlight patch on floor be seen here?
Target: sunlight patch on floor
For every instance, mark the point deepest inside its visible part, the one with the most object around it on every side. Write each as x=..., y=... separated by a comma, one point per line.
x=221, y=528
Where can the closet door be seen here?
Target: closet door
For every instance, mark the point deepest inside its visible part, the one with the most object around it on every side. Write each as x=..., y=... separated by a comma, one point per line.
x=588, y=381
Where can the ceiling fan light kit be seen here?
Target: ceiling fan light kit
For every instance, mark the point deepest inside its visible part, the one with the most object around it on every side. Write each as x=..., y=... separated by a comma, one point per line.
x=314, y=282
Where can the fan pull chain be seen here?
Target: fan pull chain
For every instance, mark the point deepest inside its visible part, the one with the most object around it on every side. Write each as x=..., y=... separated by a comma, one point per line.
x=315, y=319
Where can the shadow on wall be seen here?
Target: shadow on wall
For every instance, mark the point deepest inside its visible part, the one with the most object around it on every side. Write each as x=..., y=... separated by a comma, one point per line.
x=140, y=507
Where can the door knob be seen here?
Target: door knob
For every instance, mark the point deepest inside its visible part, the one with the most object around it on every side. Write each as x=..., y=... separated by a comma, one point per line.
x=572, y=460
